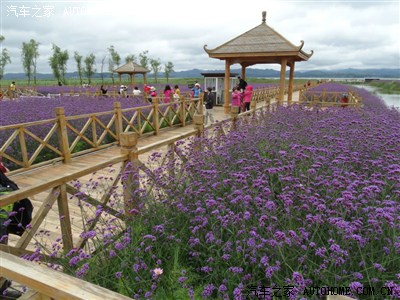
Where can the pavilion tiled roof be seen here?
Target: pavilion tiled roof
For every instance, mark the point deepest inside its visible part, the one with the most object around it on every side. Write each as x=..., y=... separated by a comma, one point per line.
x=131, y=68
x=261, y=42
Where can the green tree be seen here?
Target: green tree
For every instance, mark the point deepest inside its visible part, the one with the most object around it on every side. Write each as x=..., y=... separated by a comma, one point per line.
x=30, y=53
x=130, y=58
x=4, y=58
x=113, y=61
x=90, y=67
x=168, y=69
x=144, y=59
x=58, y=63
x=156, y=67
x=78, y=59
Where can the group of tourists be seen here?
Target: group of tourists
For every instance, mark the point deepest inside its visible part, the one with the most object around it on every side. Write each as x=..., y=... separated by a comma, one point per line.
x=241, y=98
x=167, y=95
x=241, y=95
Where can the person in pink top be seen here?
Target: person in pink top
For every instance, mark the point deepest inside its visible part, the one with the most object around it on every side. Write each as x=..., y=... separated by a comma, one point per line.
x=236, y=97
x=167, y=94
x=248, y=92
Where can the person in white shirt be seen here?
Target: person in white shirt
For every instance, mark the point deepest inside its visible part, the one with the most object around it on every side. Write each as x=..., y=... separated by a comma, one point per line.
x=136, y=91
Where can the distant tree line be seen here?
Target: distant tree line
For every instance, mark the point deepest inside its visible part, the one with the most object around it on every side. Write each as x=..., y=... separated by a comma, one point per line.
x=86, y=67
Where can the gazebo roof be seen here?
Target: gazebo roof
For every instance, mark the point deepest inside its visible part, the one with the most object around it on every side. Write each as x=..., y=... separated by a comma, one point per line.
x=131, y=68
x=262, y=44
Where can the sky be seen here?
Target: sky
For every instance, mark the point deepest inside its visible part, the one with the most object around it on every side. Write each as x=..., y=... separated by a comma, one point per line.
x=342, y=34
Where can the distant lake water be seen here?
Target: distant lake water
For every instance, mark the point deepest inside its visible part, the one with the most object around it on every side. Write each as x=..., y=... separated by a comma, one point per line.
x=390, y=99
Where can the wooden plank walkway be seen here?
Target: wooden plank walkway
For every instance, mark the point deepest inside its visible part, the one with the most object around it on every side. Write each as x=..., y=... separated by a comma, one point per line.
x=38, y=182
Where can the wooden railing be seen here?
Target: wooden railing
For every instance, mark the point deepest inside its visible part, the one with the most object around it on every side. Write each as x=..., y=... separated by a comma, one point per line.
x=35, y=144
x=63, y=137
x=44, y=283
x=326, y=99
x=62, y=195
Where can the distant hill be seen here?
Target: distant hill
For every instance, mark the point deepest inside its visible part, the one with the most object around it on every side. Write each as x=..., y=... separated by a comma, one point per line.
x=254, y=73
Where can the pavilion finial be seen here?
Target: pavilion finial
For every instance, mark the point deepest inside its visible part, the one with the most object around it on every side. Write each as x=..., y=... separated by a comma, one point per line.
x=264, y=16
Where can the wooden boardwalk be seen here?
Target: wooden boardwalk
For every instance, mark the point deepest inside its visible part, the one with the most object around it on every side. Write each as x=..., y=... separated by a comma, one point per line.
x=37, y=183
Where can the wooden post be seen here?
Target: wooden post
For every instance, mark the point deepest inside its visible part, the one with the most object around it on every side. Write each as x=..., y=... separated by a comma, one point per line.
x=118, y=120
x=291, y=81
x=300, y=95
x=315, y=100
x=234, y=115
x=24, y=149
x=183, y=110
x=282, y=81
x=268, y=103
x=156, y=116
x=65, y=221
x=253, y=106
x=63, y=134
x=198, y=117
x=131, y=169
x=226, y=87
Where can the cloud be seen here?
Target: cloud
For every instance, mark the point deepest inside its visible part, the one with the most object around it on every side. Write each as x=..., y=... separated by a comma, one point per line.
x=343, y=34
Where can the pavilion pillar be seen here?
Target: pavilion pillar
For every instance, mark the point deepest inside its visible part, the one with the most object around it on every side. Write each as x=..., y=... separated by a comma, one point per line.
x=282, y=81
x=119, y=78
x=291, y=82
x=144, y=78
x=132, y=81
x=243, y=75
x=227, y=97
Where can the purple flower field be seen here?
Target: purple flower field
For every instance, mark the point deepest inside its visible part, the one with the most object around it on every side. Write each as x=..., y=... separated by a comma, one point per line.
x=34, y=109
x=299, y=199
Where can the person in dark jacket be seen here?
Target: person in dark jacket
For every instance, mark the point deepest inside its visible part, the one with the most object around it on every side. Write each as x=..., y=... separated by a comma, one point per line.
x=242, y=84
x=209, y=99
x=6, y=186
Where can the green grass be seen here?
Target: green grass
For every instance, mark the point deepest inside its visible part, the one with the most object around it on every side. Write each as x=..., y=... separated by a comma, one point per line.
x=392, y=87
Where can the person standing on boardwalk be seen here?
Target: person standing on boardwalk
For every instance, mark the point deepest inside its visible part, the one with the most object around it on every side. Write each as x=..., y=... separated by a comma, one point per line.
x=177, y=92
x=167, y=93
x=153, y=94
x=196, y=90
x=236, y=98
x=209, y=99
x=248, y=93
x=242, y=84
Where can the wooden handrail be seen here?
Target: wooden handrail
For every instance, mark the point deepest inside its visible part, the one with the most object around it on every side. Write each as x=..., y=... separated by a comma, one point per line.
x=63, y=149
x=140, y=120
x=325, y=98
x=51, y=283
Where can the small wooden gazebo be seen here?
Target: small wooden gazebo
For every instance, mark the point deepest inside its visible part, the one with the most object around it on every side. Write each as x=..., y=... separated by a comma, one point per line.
x=131, y=69
x=260, y=45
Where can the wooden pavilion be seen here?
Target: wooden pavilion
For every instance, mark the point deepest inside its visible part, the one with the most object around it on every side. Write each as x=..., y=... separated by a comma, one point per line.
x=131, y=69
x=260, y=45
